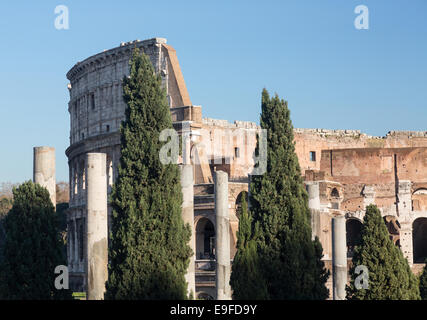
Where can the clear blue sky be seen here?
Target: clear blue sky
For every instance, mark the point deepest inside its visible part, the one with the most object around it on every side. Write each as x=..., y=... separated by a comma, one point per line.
x=308, y=51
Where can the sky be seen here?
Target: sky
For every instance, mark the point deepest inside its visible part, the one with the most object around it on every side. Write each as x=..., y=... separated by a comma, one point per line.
x=309, y=52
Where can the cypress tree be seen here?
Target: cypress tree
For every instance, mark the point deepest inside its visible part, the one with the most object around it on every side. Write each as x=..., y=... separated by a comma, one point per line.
x=423, y=282
x=32, y=247
x=245, y=276
x=390, y=277
x=291, y=262
x=149, y=251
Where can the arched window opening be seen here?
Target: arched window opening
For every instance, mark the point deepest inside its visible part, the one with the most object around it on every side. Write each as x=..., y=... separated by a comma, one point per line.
x=419, y=238
x=205, y=239
x=204, y=296
x=354, y=229
x=335, y=194
x=419, y=200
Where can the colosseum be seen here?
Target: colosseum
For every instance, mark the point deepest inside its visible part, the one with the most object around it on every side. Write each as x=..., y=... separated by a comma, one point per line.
x=344, y=170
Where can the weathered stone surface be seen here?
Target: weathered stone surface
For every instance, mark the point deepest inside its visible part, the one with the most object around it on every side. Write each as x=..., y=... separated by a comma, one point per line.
x=187, y=185
x=44, y=172
x=97, y=226
x=339, y=257
x=223, y=267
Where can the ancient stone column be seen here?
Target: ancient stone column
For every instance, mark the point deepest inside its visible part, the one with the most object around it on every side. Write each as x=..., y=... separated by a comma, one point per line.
x=44, y=170
x=314, y=205
x=313, y=195
x=406, y=240
x=222, y=248
x=97, y=229
x=187, y=185
x=339, y=257
x=403, y=211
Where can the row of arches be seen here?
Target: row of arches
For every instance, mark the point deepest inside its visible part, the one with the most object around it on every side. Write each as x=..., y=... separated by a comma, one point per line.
x=419, y=235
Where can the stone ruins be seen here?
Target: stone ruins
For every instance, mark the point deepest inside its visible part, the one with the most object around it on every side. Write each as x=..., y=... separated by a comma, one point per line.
x=344, y=171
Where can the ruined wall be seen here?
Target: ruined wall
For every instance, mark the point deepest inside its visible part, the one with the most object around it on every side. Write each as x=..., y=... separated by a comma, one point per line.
x=226, y=146
x=316, y=140
x=381, y=169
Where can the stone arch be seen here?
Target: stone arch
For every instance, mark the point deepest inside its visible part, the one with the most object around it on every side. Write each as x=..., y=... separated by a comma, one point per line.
x=204, y=296
x=419, y=238
x=205, y=239
x=353, y=234
x=393, y=227
x=419, y=199
x=335, y=198
x=335, y=194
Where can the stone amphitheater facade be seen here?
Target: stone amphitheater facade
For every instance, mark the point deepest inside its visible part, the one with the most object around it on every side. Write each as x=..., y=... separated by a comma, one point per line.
x=344, y=170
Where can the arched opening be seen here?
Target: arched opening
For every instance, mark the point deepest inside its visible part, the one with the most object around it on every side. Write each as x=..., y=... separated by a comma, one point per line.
x=354, y=229
x=335, y=199
x=335, y=194
x=205, y=239
x=204, y=296
x=393, y=227
x=419, y=238
x=242, y=195
x=419, y=200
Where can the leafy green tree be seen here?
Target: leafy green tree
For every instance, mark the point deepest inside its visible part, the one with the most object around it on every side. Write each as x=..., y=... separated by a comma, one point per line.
x=245, y=276
x=149, y=252
x=423, y=282
x=291, y=264
x=32, y=248
x=390, y=277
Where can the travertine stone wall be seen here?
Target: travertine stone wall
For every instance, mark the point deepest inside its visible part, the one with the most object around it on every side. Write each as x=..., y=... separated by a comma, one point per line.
x=316, y=140
x=351, y=169
x=96, y=110
x=225, y=146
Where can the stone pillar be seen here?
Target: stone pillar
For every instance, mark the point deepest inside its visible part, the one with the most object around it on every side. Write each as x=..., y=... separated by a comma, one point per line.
x=70, y=245
x=404, y=209
x=368, y=196
x=44, y=170
x=313, y=195
x=406, y=244
x=314, y=205
x=404, y=197
x=187, y=185
x=76, y=245
x=339, y=257
x=222, y=247
x=97, y=228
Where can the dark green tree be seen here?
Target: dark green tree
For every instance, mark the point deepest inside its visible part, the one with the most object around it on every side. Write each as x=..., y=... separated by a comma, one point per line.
x=149, y=251
x=32, y=248
x=5, y=206
x=290, y=260
x=389, y=274
x=245, y=276
x=423, y=282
